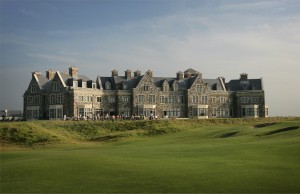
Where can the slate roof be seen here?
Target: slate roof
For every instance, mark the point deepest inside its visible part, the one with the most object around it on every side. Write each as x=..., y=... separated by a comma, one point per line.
x=250, y=84
x=184, y=84
x=213, y=84
x=45, y=83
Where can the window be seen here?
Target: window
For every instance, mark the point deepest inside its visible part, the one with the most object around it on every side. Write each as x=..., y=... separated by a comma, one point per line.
x=180, y=99
x=214, y=112
x=33, y=88
x=199, y=88
x=166, y=99
x=146, y=87
x=80, y=98
x=89, y=112
x=125, y=98
x=166, y=87
x=162, y=99
x=60, y=98
x=81, y=112
x=52, y=99
x=250, y=111
x=55, y=86
x=111, y=99
x=60, y=113
x=29, y=100
x=202, y=111
x=99, y=99
x=126, y=112
x=52, y=113
x=230, y=112
x=108, y=85
x=36, y=100
x=35, y=114
x=195, y=99
x=89, y=99
x=213, y=100
x=152, y=98
x=94, y=85
x=244, y=100
x=141, y=98
x=172, y=113
x=254, y=100
x=175, y=87
x=171, y=99
x=125, y=86
x=223, y=112
x=204, y=99
x=222, y=99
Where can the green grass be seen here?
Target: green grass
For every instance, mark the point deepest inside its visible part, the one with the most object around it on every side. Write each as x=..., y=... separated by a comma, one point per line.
x=188, y=156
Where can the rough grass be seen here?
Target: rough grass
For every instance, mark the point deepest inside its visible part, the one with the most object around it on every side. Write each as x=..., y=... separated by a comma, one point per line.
x=186, y=156
x=41, y=133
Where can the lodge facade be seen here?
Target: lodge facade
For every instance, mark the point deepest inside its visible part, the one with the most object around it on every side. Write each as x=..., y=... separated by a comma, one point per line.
x=187, y=95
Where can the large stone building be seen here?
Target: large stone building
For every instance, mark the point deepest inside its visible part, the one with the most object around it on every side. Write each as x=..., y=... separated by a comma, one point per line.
x=186, y=95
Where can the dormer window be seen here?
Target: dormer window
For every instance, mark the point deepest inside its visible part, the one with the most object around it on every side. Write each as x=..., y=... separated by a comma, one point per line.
x=94, y=85
x=165, y=88
x=83, y=85
x=125, y=86
x=108, y=85
x=75, y=84
x=175, y=87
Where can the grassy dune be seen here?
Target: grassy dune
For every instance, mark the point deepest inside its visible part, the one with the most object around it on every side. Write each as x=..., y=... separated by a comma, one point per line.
x=180, y=156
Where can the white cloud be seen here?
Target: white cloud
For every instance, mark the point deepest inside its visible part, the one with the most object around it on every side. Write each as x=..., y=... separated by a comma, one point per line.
x=54, y=58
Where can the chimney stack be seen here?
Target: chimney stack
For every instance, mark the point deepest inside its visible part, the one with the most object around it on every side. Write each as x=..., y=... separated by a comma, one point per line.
x=37, y=73
x=50, y=74
x=127, y=74
x=180, y=75
x=73, y=71
x=150, y=73
x=244, y=77
x=114, y=73
x=137, y=73
x=187, y=74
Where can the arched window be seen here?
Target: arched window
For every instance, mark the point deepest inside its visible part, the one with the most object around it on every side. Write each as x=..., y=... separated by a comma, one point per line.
x=108, y=85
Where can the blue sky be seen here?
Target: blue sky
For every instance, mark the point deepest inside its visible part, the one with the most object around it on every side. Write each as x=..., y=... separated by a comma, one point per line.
x=215, y=37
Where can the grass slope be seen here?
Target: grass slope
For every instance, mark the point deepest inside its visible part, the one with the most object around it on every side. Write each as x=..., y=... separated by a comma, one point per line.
x=202, y=156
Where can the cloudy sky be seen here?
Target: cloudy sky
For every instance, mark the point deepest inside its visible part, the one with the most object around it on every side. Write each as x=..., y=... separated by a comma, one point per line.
x=216, y=37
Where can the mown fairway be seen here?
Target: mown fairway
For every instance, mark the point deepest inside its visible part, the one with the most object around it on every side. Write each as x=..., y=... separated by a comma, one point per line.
x=200, y=158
